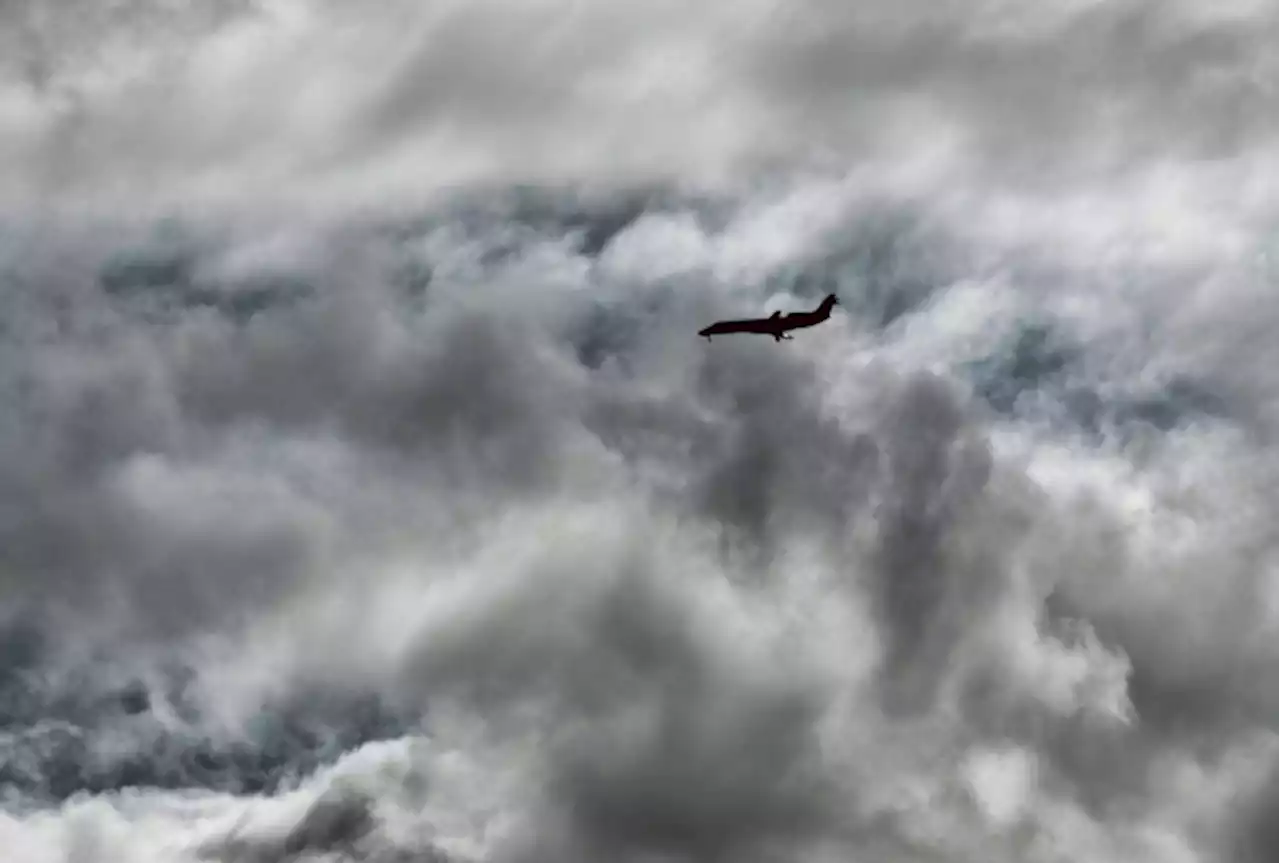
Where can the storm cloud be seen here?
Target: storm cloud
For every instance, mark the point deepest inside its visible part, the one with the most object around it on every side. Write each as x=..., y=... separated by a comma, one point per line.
x=369, y=495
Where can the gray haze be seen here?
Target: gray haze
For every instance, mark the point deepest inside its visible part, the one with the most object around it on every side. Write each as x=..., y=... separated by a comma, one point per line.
x=368, y=495
x=180, y=103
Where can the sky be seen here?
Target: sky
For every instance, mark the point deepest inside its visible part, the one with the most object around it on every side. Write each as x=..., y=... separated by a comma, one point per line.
x=179, y=103
x=370, y=497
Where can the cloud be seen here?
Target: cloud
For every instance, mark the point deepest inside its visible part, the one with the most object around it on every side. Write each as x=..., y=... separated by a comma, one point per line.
x=428, y=528
x=1052, y=92
x=697, y=602
x=304, y=98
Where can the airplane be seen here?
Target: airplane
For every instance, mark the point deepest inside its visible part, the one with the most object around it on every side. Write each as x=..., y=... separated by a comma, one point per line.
x=775, y=325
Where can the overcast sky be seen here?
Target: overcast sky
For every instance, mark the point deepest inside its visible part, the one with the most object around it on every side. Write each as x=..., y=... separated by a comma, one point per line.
x=141, y=100
x=982, y=569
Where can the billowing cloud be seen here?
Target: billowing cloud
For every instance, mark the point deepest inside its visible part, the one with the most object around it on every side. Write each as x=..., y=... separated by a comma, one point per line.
x=203, y=101
x=379, y=503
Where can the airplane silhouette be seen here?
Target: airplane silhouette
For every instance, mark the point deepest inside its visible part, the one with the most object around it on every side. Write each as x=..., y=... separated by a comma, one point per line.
x=775, y=325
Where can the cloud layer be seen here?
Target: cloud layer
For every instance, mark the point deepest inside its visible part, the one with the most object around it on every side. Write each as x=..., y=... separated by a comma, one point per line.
x=179, y=104
x=428, y=530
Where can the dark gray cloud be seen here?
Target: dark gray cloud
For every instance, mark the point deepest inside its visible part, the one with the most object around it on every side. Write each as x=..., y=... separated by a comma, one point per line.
x=1253, y=836
x=680, y=778
x=924, y=593
x=334, y=824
